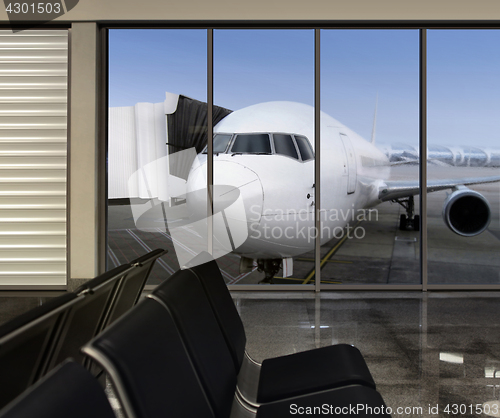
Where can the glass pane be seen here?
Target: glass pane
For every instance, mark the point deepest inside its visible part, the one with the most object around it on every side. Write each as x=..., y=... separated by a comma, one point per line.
x=283, y=144
x=306, y=151
x=154, y=137
x=463, y=124
x=266, y=77
x=369, y=158
x=221, y=142
x=252, y=144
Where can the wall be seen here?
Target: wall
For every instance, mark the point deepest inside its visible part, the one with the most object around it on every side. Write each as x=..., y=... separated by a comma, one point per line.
x=96, y=10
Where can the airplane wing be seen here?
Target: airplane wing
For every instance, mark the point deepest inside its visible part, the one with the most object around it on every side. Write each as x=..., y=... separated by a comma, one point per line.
x=390, y=190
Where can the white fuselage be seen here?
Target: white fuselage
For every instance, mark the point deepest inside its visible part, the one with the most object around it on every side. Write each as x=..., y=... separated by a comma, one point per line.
x=279, y=192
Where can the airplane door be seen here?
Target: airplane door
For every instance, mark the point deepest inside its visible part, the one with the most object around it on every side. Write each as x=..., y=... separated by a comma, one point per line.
x=352, y=169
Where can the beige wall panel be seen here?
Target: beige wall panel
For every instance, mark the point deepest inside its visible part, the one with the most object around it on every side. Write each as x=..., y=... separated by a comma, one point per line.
x=284, y=10
x=91, y=10
x=83, y=219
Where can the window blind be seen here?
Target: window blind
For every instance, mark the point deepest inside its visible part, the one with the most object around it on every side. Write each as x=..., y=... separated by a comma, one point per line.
x=33, y=148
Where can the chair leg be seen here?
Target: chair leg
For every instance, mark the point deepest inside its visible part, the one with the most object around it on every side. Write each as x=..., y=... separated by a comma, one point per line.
x=248, y=380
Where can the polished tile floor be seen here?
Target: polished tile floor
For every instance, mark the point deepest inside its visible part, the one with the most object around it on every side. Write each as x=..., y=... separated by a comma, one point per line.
x=431, y=354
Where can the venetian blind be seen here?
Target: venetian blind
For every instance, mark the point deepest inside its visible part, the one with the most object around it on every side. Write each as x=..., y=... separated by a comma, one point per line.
x=33, y=147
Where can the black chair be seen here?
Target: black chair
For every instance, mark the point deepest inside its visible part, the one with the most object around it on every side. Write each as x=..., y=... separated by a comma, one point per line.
x=279, y=377
x=27, y=342
x=132, y=285
x=183, y=296
x=67, y=392
x=131, y=278
x=107, y=297
x=37, y=341
x=296, y=375
x=154, y=376
x=86, y=318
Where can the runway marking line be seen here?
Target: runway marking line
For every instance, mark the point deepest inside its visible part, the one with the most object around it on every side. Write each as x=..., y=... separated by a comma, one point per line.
x=299, y=280
x=328, y=261
x=327, y=256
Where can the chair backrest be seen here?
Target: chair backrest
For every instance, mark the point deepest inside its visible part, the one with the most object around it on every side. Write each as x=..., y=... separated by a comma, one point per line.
x=68, y=391
x=26, y=344
x=132, y=285
x=186, y=301
x=151, y=371
x=114, y=274
x=40, y=339
x=206, y=270
x=86, y=318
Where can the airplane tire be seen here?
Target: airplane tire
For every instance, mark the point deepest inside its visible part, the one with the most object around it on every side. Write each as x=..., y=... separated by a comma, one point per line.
x=402, y=222
x=416, y=223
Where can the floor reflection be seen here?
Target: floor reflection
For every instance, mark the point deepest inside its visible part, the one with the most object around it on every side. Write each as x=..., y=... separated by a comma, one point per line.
x=424, y=350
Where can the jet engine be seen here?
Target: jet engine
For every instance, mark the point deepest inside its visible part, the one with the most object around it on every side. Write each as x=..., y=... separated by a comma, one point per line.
x=466, y=212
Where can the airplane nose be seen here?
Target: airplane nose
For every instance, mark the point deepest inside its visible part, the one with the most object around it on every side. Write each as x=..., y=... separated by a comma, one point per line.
x=237, y=202
x=232, y=182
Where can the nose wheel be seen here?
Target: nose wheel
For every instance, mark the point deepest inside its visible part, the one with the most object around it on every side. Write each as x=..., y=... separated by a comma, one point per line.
x=270, y=268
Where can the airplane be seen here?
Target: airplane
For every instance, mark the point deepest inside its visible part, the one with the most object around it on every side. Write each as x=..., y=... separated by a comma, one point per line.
x=266, y=153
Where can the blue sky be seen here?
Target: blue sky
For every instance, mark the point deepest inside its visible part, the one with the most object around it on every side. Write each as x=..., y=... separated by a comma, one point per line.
x=252, y=66
x=464, y=87
x=145, y=63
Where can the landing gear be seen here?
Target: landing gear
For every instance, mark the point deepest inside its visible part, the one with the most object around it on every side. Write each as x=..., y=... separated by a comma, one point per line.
x=270, y=268
x=406, y=224
x=410, y=221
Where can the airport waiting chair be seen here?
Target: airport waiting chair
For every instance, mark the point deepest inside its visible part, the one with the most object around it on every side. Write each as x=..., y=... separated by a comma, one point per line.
x=107, y=297
x=37, y=341
x=131, y=278
x=279, y=377
x=26, y=344
x=294, y=375
x=132, y=285
x=69, y=391
x=86, y=318
x=146, y=360
x=154, y=376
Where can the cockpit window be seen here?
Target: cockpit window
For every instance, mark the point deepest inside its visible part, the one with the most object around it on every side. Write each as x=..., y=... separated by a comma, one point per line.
x=294, y=146
x=304, y=147
x=220, y=142
x=252, y=144
x=283, y=144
